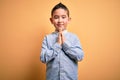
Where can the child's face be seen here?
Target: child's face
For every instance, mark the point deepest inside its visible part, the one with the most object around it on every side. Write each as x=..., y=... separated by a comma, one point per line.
x=60, y=19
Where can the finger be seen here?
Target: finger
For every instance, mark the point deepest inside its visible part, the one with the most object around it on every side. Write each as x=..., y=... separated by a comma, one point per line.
x=62, y=38
x=59, y=39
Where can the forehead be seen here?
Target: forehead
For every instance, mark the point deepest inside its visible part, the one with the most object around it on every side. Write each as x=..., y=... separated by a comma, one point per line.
x=60, y=11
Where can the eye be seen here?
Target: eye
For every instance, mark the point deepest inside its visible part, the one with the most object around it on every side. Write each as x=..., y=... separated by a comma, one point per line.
x=63, y=17
x=56, y=17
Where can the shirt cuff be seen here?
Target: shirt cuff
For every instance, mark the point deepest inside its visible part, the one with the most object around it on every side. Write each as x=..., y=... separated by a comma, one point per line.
x=57, y=47
x=66, y=46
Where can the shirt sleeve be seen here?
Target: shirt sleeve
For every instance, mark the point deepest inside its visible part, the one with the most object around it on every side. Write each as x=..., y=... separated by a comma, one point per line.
x=73, y=49
x=47, y=54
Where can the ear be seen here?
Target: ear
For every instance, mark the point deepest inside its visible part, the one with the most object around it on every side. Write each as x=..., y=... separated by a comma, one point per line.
x=51, y=20
x=69, y=18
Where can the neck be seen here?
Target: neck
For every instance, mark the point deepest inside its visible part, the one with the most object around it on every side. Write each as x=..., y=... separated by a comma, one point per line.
x=62, y=30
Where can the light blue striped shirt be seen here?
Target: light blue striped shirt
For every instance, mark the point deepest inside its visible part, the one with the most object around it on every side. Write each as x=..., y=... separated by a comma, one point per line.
x=61, y=61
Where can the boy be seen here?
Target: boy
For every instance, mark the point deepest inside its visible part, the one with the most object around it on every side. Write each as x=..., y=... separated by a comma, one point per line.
x=61, y=50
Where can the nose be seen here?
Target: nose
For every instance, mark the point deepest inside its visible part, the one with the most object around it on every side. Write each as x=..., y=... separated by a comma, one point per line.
x=60, y=19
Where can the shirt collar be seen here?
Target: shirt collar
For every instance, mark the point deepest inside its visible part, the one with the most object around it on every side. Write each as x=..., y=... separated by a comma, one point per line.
x=64, y=32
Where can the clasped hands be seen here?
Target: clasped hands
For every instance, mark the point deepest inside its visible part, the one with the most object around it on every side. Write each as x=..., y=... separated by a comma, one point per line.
x=61, y=38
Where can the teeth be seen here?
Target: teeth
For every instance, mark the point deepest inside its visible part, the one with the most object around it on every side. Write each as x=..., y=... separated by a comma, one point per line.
x=60, y=24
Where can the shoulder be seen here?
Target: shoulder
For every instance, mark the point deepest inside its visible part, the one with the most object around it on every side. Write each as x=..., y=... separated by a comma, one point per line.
x=50, y=35
x=73, y=35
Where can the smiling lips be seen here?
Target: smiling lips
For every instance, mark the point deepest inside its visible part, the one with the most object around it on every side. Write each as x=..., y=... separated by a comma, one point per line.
x=60, y=25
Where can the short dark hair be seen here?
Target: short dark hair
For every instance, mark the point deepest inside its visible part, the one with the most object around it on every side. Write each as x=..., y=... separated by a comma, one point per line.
x=60, y=5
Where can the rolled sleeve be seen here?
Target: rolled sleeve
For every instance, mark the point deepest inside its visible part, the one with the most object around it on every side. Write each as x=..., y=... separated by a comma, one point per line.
x=73, y=50
x=47, y=53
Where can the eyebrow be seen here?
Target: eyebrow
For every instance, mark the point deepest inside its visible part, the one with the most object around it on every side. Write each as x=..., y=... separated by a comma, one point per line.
x=60, y=15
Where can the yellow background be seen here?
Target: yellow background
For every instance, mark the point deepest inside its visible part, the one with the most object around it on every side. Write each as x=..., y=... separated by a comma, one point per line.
x=24, y=23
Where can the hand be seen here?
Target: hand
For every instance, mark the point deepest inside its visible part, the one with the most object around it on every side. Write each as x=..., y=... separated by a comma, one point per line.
x=61, y=38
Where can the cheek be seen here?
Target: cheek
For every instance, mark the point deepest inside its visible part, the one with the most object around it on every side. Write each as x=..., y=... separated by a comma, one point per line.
x=66, y=21
x=55, y=21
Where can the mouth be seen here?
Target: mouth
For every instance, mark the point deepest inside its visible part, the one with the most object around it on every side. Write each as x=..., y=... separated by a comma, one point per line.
x=60, y=25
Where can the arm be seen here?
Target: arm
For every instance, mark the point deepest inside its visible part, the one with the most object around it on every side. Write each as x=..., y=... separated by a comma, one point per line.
x=47, y=53
x=73, y=50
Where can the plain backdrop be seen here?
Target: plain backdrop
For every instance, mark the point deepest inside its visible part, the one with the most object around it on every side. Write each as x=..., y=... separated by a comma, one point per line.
x=24, y=23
